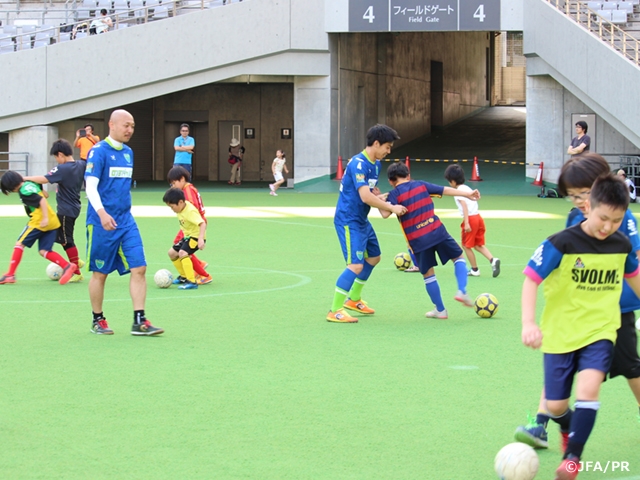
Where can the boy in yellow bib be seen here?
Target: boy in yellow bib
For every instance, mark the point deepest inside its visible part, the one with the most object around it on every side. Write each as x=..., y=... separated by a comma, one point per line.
x=194, y=228
x=583, y=268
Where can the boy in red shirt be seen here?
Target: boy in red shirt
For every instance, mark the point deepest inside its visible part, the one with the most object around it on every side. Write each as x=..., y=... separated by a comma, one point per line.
x=179, y=178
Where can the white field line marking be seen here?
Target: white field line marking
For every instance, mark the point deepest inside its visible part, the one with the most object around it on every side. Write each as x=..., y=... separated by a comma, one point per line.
x=283, y=212
x=302, y=280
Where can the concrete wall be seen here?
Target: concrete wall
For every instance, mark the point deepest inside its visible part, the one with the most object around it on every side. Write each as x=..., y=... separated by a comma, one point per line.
x=186, y=51
x=37, y=142
x=265, y=107
x=386, y=78
x=550, y=128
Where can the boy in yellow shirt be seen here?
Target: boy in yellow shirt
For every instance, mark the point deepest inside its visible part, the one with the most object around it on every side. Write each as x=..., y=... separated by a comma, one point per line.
x=43, y=226
x=194, y=228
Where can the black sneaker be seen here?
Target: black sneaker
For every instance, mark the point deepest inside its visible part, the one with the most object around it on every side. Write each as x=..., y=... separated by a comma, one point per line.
x=145, y=328
x=101, y=327
x=495, y=267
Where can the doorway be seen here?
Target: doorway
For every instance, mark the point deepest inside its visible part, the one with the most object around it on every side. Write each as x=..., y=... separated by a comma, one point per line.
x=200, y=159
x=227, y=130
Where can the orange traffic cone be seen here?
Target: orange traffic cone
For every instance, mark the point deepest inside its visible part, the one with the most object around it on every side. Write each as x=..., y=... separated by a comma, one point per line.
x=538, y=181
x=406, y=162
x=475, y=175
x=340, y=172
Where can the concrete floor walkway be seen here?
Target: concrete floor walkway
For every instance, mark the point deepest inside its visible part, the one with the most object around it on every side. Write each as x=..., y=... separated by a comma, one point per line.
x=496, y=133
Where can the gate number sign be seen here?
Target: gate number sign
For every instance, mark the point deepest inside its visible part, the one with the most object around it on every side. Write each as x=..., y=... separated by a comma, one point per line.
x=423, y=15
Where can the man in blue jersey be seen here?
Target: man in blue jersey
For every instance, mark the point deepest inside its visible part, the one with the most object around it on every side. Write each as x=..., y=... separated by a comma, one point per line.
x=113, y=238
x=360, y=248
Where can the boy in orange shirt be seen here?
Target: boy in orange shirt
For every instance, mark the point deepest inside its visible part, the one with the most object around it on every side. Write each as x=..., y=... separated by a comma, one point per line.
x=179, y=178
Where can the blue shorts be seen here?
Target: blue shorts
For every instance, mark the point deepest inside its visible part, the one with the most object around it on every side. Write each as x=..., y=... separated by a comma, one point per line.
x=120, y=249
x=45, y=239
x=447, y=250
x=560, y=368
x=358, y=242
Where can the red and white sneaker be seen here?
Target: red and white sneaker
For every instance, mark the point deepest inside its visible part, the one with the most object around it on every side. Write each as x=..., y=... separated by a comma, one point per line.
x=568, y=469
x=7, y=279
x=68, y=272
x=101, y=327
x=464, y=299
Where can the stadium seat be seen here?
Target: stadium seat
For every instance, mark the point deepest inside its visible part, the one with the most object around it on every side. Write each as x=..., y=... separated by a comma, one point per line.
x=618, y=16
x=610, y=6
x=28, y=29
x=10, y=29
x=40, y=43
x=626, y=6
x=81, y=35
x=6, y=43
x=83, y=13
x=138, y=8
x=100, y=4
x=65, y=36
x=23, y=44
x=594, y=5
x=160, y=12
x=604, y=14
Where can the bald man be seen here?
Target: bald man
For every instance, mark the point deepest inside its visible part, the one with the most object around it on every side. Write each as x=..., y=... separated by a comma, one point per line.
x=113, y=238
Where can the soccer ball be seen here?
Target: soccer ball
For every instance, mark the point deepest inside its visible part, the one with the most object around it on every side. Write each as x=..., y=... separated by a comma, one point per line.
x=402, y=261
x=54, y=271
x=516, y=461
x=163, y=278
x=486, y=305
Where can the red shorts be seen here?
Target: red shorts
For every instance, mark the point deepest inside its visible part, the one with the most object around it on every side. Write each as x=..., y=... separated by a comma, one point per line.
x=474, y=238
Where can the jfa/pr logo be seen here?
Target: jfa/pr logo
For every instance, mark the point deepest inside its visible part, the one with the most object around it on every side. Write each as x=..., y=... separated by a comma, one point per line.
x=609, y=466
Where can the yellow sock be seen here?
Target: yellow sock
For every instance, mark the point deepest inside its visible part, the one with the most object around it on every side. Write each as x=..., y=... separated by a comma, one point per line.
x=178, y=264
x=187, y=266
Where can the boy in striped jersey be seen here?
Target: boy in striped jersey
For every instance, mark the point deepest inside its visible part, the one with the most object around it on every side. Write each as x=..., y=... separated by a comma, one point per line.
x=426, y=235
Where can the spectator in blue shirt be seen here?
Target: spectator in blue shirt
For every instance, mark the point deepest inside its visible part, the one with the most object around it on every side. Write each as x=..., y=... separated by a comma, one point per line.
x=184, y=146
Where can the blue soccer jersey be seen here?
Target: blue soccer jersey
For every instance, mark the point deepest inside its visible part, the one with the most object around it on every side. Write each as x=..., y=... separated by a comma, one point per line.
x=420, y=224
x=629, y=302
x=361, y=171
x=114, y=168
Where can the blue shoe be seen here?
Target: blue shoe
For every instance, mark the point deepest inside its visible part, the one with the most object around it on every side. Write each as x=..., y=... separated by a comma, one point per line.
x=533, y=434
x=179, y=279
x=187, y=285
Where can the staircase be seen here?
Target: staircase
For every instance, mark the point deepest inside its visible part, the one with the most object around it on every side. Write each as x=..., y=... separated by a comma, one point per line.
x=595, y=60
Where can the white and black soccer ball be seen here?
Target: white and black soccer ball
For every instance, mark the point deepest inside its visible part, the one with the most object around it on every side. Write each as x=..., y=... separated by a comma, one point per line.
x=163, y=278
x=54, y=271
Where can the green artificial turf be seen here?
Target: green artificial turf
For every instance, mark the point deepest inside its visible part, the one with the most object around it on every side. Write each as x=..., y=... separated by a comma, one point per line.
x=250, y=381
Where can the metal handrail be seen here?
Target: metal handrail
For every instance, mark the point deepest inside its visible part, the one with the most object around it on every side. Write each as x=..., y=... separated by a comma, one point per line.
x=11, y=163
x=606, y=31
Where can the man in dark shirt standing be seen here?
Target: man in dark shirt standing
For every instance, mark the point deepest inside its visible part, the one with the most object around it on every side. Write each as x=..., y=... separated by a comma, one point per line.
x=581, y=142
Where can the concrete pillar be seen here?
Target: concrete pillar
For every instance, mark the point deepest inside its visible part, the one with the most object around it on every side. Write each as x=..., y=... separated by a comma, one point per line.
x=312, y=127
x=36, y=141
x=545, y=127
